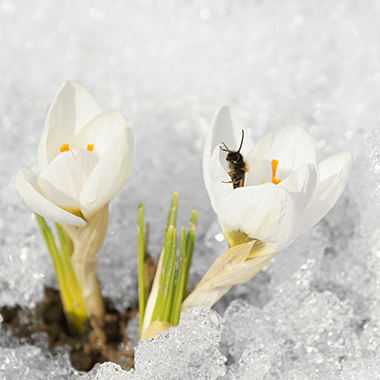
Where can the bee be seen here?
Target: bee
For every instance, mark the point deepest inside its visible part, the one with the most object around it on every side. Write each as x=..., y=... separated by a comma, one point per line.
x=236, y=163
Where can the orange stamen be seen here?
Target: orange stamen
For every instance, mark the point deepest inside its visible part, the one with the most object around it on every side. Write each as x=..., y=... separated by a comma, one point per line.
x=64, y=148
x=90, y=147
x=274, y=164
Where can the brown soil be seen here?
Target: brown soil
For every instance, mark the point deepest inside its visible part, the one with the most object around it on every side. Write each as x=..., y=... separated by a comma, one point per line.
x=106, y=341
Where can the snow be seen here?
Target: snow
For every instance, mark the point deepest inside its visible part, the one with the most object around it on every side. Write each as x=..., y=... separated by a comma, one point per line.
x=313, y=311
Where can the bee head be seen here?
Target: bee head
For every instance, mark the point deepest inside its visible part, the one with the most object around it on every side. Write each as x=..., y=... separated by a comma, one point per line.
x=234, y=158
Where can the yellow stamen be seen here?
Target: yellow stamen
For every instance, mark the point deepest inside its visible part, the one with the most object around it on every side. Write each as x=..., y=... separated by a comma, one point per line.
x=90, y=147
x=64, y=148
x=274, y=164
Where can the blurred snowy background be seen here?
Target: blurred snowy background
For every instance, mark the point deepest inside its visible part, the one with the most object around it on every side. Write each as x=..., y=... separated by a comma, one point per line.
x=314, y=311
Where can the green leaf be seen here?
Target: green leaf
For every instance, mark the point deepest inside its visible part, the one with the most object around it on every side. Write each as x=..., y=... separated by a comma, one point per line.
x=140, y=263
x=68, y=287
x=180, y=282
x=190, y=240
x=167, y=308
x=171, y=219
x=164, y=277
x=168, y=292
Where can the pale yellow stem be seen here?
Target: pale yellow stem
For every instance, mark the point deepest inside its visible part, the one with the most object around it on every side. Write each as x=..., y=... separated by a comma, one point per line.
x=87, y=242
x=151, y=303
x=154, y=328
x=235, y=266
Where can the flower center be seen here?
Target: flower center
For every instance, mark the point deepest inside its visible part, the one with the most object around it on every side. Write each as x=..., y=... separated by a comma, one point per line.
x=65, y=147
x=274, y=164
x=236, y=237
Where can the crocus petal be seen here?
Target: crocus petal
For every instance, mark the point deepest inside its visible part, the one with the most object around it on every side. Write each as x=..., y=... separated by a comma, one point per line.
x=301, y=185
x=62, y=181
x=109, y=174
x=333, y=174
x=226, y=128
x=291, y=146
x=100, y=130
x=71, y=109
x=25, y=183
x=266, y=213
x=218, y=177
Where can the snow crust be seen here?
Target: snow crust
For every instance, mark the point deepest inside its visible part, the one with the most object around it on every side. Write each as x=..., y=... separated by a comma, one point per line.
x=312, y=312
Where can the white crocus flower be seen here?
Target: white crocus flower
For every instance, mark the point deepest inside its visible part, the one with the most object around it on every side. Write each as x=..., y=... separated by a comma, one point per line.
x=285, y=193
x=84, y=157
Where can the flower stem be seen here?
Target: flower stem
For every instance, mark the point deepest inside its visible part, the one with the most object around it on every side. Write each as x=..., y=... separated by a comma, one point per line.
x=87, y=242
x=68, y=287
x=235, y=266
